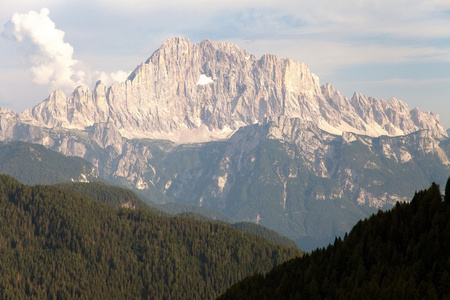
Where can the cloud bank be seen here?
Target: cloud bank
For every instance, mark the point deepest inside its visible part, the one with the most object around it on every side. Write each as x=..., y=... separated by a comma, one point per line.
x=51, y=58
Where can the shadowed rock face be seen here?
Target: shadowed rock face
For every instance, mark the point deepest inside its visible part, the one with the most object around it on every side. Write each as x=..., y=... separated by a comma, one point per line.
x=328, y=147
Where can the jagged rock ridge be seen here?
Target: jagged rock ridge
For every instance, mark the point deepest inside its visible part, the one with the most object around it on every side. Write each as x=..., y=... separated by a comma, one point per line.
x=198, y=92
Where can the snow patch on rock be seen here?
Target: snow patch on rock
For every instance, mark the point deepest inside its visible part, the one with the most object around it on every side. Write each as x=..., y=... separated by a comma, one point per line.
x=204, y=80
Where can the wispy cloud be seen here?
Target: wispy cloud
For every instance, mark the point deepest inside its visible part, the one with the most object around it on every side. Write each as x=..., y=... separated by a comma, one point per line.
x=407, y=81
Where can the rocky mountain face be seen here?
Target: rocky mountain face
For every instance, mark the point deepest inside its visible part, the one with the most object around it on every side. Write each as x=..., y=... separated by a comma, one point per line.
x=258, y=139
x=199, y=92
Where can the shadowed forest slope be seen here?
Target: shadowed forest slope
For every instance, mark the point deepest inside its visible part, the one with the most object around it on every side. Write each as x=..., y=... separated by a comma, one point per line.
x=403, y=253
x=56, y=243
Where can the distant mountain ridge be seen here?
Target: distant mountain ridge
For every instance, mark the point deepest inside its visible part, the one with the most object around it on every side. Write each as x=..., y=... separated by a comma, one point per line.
x=260, y=140
x=34, y=164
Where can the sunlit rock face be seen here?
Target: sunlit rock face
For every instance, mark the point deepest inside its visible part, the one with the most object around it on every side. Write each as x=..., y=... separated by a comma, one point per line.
x=199, y=92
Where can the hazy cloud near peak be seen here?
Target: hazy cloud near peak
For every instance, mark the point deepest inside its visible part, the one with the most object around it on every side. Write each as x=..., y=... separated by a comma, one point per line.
x=51, y=58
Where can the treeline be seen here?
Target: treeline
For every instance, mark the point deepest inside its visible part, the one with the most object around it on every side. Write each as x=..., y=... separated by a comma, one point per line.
x=403, y=253
x=58, y=244
x=108, y=194
x=184, y=209
x=265, y=232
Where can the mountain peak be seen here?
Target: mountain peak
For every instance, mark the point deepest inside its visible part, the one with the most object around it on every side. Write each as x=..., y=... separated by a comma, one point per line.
x=176, y=41
x=206, y=91
x=176, y=44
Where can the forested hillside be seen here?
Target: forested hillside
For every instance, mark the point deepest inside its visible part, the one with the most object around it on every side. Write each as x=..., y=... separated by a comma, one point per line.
x=56, y=243
x=121, y=197
x=35, y=164
x=403, y=253
x=105, y=193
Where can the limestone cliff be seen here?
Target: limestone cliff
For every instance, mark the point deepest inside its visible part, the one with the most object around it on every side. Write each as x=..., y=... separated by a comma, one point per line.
x=199, y=92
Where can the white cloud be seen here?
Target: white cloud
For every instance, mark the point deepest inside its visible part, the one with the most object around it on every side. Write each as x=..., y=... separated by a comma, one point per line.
x=110, y=78
x=51, y=58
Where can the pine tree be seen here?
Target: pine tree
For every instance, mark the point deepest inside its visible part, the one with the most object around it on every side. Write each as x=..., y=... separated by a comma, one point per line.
x=447, y=191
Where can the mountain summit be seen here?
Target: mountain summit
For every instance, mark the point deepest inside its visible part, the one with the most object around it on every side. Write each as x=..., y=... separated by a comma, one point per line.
x=200, y=92
x=259, y=140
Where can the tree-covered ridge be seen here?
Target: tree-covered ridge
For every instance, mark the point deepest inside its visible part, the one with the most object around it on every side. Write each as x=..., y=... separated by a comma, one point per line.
x=34, y=164
x=403, y=253
x=180, y=209
x=265, y=232
x=108, y=194
x=121, y=197
x=56, y=243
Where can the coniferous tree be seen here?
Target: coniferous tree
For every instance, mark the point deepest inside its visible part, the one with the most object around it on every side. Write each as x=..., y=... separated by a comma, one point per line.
x=447, y=191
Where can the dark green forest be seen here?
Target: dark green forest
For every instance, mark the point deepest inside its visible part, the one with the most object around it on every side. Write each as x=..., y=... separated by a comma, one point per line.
x=403, y=253
x=59, y=244
x=121, y=197
x=264, y=232
x=108, y=194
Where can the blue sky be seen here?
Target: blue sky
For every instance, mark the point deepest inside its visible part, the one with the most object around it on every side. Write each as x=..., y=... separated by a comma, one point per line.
x=378, y=48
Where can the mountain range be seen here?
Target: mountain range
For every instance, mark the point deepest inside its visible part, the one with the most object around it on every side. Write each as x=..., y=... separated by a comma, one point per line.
x=258, y=139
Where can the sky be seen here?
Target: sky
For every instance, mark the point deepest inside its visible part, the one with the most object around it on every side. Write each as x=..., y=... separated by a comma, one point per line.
x=379, y=48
